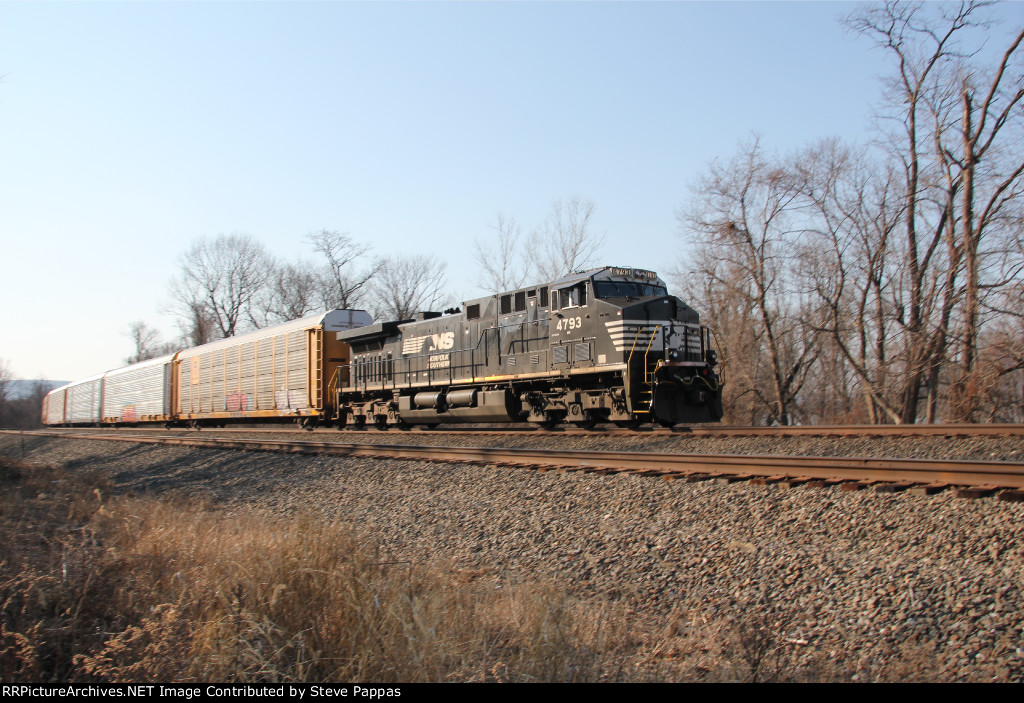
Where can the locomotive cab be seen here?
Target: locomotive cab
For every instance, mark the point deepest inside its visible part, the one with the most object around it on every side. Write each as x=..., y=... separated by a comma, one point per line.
x=668, y=375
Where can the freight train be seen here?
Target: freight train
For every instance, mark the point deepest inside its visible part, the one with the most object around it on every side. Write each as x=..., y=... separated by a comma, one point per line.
x=604, y=345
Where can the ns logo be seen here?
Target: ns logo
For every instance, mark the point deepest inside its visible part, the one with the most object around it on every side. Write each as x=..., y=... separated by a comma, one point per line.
x=445, y=340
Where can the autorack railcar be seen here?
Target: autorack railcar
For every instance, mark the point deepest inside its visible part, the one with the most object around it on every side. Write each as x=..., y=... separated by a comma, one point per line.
x=270, y=374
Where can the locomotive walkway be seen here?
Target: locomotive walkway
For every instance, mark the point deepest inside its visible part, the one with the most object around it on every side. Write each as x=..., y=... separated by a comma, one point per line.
x=968, y=478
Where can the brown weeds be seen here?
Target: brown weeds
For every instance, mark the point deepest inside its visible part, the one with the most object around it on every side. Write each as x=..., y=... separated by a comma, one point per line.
x=127, y=589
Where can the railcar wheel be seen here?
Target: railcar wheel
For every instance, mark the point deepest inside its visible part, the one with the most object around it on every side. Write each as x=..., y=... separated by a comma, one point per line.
x=193, y=424
x=667, y=423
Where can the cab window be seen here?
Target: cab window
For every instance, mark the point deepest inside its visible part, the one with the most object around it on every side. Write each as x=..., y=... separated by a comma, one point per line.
x=626, y=289
x=573, y=297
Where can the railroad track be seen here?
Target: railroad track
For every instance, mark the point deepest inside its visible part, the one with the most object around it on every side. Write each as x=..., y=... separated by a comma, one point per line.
x=969, y=478
x=948, y=430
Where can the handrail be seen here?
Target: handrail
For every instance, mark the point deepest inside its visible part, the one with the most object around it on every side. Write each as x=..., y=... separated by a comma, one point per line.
x=647, y=351
x=332, y=383
x=629, y=364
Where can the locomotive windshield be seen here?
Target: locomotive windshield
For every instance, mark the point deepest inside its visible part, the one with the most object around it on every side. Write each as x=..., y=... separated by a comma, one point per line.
x=624, y=289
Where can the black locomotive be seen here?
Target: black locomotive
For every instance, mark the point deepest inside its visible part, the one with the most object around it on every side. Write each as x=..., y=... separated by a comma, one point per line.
x=604, y=345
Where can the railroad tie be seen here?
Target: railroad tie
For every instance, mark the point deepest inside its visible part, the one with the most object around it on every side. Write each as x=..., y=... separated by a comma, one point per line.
x=927, y=489
x=894, y=487
x=976, y=491
x=729, y=478
x=766, y=480
x=851, y=486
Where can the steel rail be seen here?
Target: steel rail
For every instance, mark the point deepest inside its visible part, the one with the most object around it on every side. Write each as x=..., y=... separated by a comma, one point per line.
x=949, y=430
x=988, y=474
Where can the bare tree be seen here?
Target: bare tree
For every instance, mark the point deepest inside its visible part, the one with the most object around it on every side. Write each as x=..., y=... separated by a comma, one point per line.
x=502, y=258
x=954, y=127
x=342, y=281
x=565, y=242
x=893, y=273
x=18, y=409
x=408, y=284
x=218, y=281
x=979, y=153
x=6, y=376
x=744, y=221
x=195, y=323
x=147, y=342
x=851, y=264
x=293, y=292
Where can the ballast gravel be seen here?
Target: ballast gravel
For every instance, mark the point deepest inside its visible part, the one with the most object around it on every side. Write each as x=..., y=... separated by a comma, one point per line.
x=860, y=577
x=991, y=448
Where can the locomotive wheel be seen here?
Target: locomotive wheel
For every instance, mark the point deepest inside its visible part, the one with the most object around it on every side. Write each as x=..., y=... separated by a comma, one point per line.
x=628, y=424
x=551, y=421
x=588, y=423
x=380, y=422
x=667, y=423
x=359, y=421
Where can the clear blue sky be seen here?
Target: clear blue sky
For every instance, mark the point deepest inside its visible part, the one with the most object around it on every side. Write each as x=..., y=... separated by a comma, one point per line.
x=129, y=129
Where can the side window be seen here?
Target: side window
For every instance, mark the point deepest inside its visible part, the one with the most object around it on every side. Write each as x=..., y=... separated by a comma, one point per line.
x=473, y=312
x=575, y=296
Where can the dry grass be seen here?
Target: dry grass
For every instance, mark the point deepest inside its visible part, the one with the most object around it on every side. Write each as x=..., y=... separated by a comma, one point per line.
x=131, y=589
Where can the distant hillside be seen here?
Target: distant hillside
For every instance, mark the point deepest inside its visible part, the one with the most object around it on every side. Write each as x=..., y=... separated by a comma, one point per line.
x=24, y=389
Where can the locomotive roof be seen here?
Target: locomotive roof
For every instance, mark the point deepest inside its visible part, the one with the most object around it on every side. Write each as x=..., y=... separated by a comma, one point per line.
x=610, y=272
x=386, y=329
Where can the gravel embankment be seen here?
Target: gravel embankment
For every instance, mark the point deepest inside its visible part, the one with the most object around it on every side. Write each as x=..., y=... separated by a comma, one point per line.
x=864, y=576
